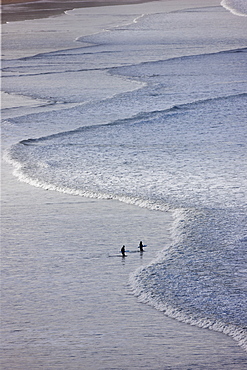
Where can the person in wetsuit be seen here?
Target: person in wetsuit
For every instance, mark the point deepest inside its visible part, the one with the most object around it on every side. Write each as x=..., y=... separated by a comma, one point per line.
x=141, y=246
x=123, y=251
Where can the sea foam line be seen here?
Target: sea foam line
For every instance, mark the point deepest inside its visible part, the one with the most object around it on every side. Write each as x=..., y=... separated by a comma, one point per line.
x=22, y=177
x=104, y=30
x=145, y=295
x=238, y=334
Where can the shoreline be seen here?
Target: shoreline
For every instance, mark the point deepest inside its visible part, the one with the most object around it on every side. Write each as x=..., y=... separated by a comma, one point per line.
x=21, y=10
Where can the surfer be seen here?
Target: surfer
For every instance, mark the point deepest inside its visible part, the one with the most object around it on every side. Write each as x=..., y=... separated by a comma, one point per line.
x=123, y=251
x=141, y=246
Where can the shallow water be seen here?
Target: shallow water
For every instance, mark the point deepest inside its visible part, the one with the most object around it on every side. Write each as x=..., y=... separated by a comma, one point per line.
x=67, y=304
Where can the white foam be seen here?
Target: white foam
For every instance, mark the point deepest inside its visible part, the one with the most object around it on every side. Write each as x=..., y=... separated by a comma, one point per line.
x=236, y=7
x=237, y=333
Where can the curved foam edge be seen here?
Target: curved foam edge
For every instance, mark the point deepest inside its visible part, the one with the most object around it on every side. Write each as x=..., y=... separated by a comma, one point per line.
x=235, y=7
x=142, y=203
x=238, y=334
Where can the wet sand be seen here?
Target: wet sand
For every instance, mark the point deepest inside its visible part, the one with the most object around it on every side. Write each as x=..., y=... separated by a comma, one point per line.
x=20, y=10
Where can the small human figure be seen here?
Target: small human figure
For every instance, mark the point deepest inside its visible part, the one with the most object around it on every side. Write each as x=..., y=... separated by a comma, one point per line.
x=141, y=246
x=123, y=251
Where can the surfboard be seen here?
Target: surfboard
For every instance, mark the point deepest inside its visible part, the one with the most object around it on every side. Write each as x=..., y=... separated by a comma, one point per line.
x=116, y=255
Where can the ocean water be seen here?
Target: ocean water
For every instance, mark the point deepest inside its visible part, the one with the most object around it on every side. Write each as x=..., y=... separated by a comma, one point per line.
x=151, y=113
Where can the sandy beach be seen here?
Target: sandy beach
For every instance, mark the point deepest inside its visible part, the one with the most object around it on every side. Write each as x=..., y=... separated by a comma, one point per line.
x=66, y=299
